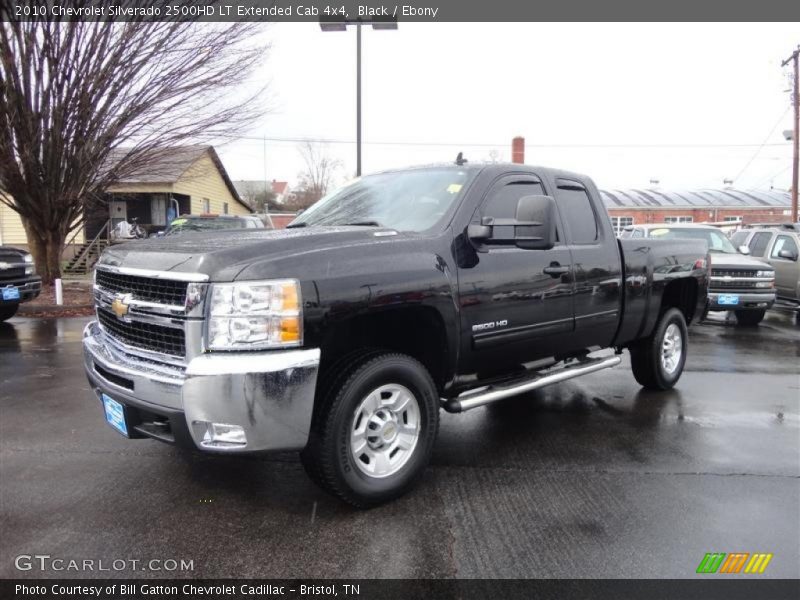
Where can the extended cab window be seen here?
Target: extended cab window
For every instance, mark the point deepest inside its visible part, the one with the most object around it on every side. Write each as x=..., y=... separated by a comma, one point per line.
x=576, y=209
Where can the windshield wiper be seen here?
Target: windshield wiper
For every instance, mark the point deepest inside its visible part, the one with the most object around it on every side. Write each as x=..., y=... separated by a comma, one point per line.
x=296, y=225
x=363, y=224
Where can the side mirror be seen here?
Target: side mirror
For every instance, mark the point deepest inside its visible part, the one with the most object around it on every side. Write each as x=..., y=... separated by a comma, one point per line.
x=787, y=254
x=536, y=223
x=534, y=226
x=744, y=249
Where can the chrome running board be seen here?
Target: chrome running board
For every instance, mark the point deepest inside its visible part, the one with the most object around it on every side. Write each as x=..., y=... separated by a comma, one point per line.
x=488, y=394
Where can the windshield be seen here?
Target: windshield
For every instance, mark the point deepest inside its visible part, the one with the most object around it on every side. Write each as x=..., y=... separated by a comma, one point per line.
x=413, y=200
x=189, y=224
x=716, y=240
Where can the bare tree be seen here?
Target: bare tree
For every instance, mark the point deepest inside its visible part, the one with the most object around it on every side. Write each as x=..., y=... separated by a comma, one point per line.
x=319, y=174
x=85, y=104
x=258, y=195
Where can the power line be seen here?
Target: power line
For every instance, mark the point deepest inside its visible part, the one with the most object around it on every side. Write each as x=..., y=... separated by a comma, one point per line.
x=488, y=145
x=771, y=177
x=761, y=147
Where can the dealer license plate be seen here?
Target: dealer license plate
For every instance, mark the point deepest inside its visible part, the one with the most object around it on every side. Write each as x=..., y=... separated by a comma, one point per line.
x=10, y=293
x=728, y=300
x=115, y=414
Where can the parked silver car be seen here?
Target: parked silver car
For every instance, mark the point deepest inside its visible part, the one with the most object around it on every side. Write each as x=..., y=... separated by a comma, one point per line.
x=739, y=283
x=779, y=245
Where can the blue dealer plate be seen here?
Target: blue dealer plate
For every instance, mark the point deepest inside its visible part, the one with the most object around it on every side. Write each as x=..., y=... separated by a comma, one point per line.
x=10, y=293
x=115, y=414
x=728, y=300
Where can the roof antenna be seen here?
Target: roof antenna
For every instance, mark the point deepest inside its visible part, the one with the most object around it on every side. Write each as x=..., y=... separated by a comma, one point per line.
x=460, y=160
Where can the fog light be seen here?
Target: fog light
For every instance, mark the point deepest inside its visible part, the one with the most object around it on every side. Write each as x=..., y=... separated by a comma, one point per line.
x=222, y=435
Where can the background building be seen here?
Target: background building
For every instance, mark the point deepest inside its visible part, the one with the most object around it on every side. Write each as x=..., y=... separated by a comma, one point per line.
x=638, y=206
x=191, y=179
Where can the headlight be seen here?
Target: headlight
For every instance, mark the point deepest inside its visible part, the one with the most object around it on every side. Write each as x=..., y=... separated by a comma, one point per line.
x=28, y=260
x=255, y=314
x=765, y=273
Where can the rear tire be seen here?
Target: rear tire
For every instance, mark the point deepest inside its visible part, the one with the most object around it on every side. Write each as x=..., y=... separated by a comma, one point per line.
x=374, y=431
x=657, y=361
x=6, y=312
x=750, y=318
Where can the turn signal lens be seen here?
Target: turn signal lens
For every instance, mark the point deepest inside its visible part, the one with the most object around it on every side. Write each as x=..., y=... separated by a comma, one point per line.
x=290, y=329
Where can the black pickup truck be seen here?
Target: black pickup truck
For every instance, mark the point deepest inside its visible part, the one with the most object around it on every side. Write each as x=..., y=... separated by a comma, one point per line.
x=399, y=294
x=18, y=280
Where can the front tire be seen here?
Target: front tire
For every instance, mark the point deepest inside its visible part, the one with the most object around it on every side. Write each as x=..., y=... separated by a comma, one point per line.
x=6, y=312
x=750, y=318
x=373, y=434
x=657, y=361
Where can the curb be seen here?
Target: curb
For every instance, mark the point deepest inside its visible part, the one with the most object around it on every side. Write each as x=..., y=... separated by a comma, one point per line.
x=51, y=308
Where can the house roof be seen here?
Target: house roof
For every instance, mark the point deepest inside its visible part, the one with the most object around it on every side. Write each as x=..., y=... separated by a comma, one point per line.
x=169, y=164
x=699, y=198
x=280, y=187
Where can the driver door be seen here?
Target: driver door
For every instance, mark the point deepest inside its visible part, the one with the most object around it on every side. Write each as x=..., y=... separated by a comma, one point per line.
x=511, y=309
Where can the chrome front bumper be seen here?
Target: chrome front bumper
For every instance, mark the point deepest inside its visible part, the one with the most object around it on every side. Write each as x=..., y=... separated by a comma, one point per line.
x=747, y=301
x=268, y=394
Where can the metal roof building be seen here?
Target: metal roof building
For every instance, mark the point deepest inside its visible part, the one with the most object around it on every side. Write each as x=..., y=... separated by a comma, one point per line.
x=654, y=205
x=702, y=198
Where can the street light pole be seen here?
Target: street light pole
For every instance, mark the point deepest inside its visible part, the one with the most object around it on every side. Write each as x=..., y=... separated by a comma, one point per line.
x=796, y=137
x=358, y=100
x=327, y=25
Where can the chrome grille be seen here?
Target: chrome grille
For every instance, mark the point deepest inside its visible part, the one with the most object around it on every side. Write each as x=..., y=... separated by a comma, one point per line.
x=733, y=273
x=145, y=336
x=16, y=272
x=161, y=291
x=733, y=284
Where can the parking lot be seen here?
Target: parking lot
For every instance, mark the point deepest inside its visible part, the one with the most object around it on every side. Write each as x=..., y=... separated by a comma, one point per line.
x=590, y=478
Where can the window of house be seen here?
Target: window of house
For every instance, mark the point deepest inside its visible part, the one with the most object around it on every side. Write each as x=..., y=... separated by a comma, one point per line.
x=206, y=205
x=679, y=219
x=784, y=242
x=730, y=219
x=758, y=243
x=224, y=208
x=576, y=209
x=620, y=223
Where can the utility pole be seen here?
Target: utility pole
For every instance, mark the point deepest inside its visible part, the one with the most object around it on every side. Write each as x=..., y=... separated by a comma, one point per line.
x=796, y=137
x=358, y=100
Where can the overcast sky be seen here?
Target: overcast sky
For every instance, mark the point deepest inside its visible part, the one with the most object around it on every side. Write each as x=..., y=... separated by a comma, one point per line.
x=688, y=105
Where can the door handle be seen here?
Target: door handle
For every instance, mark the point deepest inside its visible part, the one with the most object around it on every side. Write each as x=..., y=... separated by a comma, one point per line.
x=556, y=270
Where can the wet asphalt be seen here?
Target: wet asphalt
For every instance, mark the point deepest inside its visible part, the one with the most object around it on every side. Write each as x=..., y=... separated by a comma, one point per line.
x=590, y=478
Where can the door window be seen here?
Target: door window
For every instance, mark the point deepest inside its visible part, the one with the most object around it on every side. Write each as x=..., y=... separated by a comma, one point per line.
x=576, y=209
x=502, y=204
x=784, y=242
x=758, y=243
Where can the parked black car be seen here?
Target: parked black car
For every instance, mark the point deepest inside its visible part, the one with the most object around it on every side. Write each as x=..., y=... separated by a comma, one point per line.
x=402, y=293
x=18, y=280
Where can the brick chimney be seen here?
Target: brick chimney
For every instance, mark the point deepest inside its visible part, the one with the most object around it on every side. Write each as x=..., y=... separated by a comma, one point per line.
x=518, y=150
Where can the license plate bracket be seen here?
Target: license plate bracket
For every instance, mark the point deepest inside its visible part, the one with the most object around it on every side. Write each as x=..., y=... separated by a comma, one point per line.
x=10, y=293
x=115, y=414
x=728, y=299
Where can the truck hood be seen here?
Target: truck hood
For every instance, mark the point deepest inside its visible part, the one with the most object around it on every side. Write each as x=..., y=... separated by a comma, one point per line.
x=223, y=254
x=731, y=261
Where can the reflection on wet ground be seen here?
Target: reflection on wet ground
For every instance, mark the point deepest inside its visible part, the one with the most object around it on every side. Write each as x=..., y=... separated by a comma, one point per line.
x=594, y=477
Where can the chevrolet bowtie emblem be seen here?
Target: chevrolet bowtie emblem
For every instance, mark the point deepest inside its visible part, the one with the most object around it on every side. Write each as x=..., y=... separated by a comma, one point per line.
x=120, y=306
x=4, y=266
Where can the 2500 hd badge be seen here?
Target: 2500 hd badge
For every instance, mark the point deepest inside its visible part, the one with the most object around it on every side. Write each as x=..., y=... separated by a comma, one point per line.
x=344, y=335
